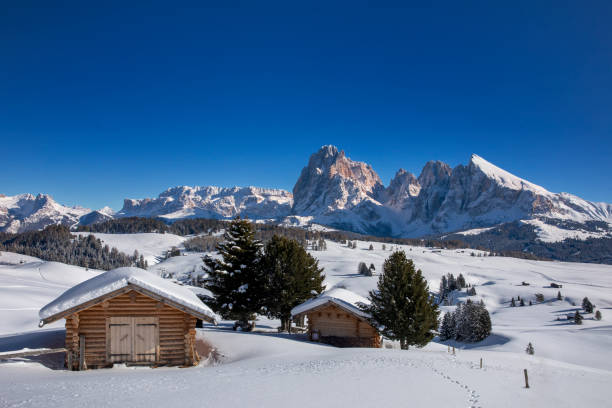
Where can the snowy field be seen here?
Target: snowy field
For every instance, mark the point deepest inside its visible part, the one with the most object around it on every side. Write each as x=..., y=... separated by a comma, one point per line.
x=572, y=365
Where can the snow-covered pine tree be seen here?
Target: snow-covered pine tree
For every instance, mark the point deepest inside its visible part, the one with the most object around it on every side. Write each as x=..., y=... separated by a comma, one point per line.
x=447, y=327
x=401, y=306
x=234, y=279
x=292, y=277
x=598, y=315
x=371, y=248
x=529, y=350
x=443, y=287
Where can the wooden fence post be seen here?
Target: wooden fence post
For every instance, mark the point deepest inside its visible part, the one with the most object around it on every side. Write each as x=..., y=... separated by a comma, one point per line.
x=526, y=379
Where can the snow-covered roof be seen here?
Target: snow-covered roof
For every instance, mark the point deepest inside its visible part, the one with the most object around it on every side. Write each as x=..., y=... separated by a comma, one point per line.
x=119, y=278
x=341, y=297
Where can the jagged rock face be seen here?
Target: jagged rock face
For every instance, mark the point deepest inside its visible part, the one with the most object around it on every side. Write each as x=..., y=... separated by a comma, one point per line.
x=212, y=202
x=28, y=212
x=402, y=190
x=332, y=182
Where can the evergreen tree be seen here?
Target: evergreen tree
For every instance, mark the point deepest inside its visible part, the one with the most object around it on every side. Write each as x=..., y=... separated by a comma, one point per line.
x=452, y=283
x=577, y=318
x=471, y=291
x=559, y=297
x=235, y=280
x=384, y=247
x=447, y=327
x=522, y=303
x=513, y=303
x=472, y=322
x=598, y=315
x=372, y=267
x=587, y=305
x=401, y=306
x=461, y=281
x=363, y=269
x=443, y=287
x=292, y=276
x=530, y=350
x=371, y=247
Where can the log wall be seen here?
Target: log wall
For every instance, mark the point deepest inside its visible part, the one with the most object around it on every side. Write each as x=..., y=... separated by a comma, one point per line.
x=336, y=326
x=176, y=330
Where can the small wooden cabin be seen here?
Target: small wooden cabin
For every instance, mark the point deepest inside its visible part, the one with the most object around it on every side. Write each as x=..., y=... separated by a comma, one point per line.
x=335, y=318
x=128, y=315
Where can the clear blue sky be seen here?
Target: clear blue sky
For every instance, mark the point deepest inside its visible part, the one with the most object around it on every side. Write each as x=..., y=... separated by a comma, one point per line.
x=99, y=101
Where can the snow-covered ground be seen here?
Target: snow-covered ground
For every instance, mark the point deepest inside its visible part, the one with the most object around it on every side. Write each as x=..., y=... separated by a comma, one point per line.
x=572, y=365
x=150, y=245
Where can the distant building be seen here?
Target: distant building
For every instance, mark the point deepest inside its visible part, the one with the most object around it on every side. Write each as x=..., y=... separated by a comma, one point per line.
x=335, y=318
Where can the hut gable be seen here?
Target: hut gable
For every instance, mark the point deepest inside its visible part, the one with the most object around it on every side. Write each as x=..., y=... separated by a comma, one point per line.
x=342, y=298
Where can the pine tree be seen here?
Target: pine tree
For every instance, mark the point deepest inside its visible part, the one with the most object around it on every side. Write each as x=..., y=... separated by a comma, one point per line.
x=471, y=291
x=235, y=280
x=447, y=327
x=559, y=297
x=578, y=318
x=401, y=306
x=587, y=305
x=384, y=247
x=443, y=287
x=362, y=269
x=371, y=247
x=452, y=283
x=529, y=350
x=522, y=303
x=598, y=315
x=292, y=276
x=513, y=303
x=461, y=281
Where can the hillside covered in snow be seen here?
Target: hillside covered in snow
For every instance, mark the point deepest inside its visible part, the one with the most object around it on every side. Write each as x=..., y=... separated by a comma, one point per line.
x=571, y=365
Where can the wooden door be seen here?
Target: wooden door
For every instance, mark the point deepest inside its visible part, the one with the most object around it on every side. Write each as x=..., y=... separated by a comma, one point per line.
x=145, y=339
x=120, y=332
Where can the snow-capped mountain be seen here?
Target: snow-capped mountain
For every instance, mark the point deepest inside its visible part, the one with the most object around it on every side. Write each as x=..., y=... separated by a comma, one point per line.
x=28, y=212
x=211, y=202
x=336, y=191
x=440, y=200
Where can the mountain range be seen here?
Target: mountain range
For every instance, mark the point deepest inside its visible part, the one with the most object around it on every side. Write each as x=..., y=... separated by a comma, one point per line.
x=340, y=193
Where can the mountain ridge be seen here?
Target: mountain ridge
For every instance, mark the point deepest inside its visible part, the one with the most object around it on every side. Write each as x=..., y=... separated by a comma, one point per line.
x=334, y=190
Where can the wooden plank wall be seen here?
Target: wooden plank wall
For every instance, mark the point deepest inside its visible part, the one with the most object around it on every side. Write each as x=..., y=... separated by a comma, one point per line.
x=333, y=321
x=176, y=329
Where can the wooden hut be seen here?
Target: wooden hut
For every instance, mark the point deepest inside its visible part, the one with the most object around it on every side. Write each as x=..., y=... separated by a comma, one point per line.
x=335, y=318
x=128, y=315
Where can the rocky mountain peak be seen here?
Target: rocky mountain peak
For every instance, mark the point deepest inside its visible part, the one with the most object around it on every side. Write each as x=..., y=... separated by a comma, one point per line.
x=331, y=181
x=434, y=172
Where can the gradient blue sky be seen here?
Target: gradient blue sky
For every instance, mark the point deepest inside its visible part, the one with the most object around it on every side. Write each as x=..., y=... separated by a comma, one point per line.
x=99, y=103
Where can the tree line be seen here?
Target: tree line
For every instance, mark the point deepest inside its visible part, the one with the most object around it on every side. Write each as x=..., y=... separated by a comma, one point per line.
x=56, y=243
